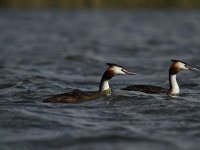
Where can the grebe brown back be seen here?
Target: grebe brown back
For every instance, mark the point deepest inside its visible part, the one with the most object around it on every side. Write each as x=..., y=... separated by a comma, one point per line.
x=104, y=88
x=174, y=69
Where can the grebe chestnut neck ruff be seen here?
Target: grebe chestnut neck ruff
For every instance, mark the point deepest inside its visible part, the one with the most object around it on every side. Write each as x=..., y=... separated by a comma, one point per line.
x=104, y=88
x=174, y=89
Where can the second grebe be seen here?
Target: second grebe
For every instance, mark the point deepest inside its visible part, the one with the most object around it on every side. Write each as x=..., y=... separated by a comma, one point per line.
x=104, y=88
x=175, y=68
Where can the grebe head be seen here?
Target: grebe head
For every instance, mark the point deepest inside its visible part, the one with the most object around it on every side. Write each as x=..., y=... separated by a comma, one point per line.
x=115, y=69
x=179, y=65
x=111, y=71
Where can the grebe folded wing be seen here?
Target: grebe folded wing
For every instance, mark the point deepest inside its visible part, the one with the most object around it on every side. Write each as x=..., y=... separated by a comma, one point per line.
x=151, y=89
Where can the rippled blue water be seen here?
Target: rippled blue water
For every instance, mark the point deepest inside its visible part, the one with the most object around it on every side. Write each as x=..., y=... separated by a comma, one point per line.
x=49, y=52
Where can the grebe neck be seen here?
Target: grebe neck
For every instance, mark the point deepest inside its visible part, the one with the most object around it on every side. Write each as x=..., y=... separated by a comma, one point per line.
x=104, y=85
x=174, y=88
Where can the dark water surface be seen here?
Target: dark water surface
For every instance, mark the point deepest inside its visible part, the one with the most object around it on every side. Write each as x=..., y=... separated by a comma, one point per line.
x=49, y=52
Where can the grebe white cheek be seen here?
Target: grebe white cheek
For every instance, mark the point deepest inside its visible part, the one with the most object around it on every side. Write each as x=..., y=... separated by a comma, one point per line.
x=117, y=70
x=181, y=66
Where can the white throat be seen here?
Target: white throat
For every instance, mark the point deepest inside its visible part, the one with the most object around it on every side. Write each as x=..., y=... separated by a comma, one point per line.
x=174, y=88
x=104, y=85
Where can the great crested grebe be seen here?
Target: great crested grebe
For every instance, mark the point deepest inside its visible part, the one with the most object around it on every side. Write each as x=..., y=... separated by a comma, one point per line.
x=104, y=88
x=175, y=68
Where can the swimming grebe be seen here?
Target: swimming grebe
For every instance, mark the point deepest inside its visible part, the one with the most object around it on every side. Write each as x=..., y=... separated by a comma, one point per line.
x=104, y=88
x=175, y=68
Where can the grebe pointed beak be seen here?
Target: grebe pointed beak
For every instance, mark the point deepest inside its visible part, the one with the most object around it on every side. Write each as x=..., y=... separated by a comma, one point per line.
x=128, y=72
x=194, y=69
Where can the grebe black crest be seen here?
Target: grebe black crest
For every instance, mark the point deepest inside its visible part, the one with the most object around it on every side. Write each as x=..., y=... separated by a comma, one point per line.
x=174, y=69
x=104, y=88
